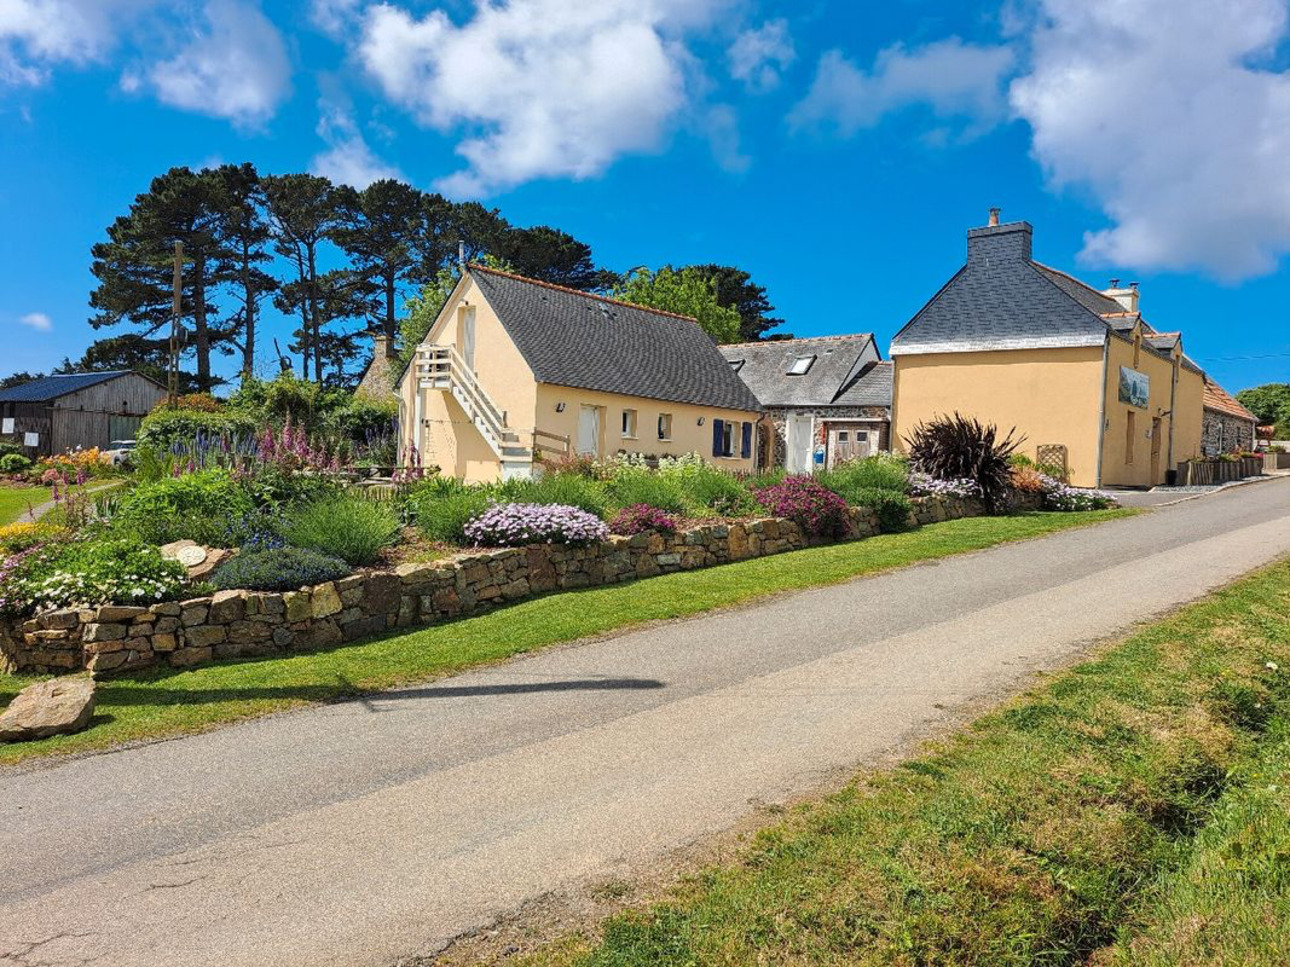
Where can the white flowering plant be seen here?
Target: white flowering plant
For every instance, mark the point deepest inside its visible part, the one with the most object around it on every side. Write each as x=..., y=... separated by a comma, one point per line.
x=514, y=525
x=89, y=572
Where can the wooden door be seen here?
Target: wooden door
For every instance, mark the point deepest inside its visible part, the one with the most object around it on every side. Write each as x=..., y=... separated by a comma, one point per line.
x=849, y=443
x=1156, y=434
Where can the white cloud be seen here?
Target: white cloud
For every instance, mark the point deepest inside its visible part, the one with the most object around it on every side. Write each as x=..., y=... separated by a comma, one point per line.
x=757, y=56
x=334, y=17
x=958, y=81
x=1161, y=109
x=348, y=160
x=236, y=67
x=721, y=124
x=37, y=35
x=38, y=321
x=542, y=88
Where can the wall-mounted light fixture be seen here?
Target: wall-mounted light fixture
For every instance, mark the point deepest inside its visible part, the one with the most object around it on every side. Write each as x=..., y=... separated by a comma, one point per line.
x=700, y=421
x=559, y=407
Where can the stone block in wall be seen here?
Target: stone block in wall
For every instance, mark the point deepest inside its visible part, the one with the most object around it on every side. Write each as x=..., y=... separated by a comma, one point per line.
x=245, y=632
x=115, y=614
x=350, y=590
x=382, y=594
x=66, y=618
x=299, y=606
x=104, y=632
x=164, y=642
x=203, y=636
x=227, y=607
x=191, y=655
x=194, y=613
x=364, y=627
x=325, y=600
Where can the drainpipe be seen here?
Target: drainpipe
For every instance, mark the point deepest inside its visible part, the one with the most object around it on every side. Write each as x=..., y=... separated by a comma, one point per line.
x=1173, y=416
x=1101, y=411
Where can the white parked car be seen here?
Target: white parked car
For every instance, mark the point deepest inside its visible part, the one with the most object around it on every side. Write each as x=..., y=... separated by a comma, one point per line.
x=119, y=452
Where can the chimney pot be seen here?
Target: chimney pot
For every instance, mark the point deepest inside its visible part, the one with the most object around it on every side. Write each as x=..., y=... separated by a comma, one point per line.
x=1115, y=284
x=1133, y=286
x=994, y=217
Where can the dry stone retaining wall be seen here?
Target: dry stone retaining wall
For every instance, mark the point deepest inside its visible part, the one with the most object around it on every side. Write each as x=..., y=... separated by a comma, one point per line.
x=239, y=624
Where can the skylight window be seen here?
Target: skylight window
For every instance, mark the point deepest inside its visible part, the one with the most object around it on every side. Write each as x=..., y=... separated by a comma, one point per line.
x=801, y=366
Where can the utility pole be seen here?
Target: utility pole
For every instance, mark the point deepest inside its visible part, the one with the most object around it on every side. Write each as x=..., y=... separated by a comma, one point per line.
x=176, y=315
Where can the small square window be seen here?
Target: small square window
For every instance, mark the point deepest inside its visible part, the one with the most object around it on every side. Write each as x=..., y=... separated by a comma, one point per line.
x=629, y=423
x=843, y=436
x=801, y=366
x=665, y=426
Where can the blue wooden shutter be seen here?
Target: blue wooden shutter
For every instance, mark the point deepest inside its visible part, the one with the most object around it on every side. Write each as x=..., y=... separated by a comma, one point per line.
x=745, y=449
x=718, y=438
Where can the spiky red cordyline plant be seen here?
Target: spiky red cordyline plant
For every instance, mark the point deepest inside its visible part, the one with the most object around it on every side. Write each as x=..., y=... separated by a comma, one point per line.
x=953, y=447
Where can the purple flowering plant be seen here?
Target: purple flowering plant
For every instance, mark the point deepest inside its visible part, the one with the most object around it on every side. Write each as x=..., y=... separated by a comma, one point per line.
x=925, y=485
x=639, y=518
x=813, y=507
x=515, y=525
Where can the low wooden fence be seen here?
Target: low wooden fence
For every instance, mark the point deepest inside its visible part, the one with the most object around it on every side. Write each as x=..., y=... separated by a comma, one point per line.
x=1209, y=473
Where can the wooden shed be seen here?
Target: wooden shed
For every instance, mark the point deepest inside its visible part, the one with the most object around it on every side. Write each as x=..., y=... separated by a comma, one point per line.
x=59, y=413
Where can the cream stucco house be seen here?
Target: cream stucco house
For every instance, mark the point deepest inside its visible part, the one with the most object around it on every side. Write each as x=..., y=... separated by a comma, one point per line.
x=1076, y=370
x=515, y=369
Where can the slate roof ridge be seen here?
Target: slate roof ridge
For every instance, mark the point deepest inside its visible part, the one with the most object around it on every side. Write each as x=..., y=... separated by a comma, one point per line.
x=1079, y=282
x=567, y=290
x=865, y=336
x=1040, y=269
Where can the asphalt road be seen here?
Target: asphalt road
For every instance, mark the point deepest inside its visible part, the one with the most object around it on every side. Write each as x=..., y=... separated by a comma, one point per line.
x=361, y=833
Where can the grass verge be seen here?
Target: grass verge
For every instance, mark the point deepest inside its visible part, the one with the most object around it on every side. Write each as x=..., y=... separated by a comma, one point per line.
x=163, y=703
x=14, y=501
x=1229, y=904
x=1032, y=837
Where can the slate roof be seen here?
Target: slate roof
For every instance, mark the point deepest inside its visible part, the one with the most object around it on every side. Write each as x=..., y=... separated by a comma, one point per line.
x=573, y=338
x=1003, y=299
x=52, y=387
x=1217, y=398
x=871, y=386
x=837, y=371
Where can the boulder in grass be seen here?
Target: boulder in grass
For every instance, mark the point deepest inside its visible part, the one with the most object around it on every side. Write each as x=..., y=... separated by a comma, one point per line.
x=48, y=708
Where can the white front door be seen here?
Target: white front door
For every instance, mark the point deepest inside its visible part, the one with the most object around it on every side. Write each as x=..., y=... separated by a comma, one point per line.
x=800, y=443
x=589, y=430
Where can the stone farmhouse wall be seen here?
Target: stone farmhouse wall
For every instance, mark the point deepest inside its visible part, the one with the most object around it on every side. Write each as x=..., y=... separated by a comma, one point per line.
x=239, y=624
x=1225, y=433
x=777, y=420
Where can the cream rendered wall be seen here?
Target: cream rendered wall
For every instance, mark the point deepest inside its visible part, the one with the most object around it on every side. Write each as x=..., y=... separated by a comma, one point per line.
x=1184, y=411
x=1049, y=395
x=687, y=435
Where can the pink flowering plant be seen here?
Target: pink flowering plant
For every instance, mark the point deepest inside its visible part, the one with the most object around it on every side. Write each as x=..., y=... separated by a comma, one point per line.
x=515, y=525
x=813, y=507
x=639, y=518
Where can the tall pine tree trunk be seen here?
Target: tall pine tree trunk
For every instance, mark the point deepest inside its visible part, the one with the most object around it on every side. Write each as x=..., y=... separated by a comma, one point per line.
x=315, y=313
x=248, y=352
x=202, y=333
x=391, y=324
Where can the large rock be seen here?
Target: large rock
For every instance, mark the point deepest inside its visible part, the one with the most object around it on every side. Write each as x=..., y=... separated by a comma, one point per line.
x=48, y=708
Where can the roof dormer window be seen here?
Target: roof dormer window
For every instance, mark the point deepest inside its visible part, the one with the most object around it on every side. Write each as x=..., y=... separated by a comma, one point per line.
x=801, y=366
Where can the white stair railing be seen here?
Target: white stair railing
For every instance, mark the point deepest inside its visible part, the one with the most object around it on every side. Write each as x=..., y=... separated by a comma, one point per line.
x=441, y=367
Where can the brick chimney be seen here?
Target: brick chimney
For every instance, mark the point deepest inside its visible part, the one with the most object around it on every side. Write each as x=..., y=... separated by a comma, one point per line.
x=1010, y=242
x=377, y=382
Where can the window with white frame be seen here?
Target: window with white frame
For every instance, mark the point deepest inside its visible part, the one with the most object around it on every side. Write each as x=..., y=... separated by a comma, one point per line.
x=729, y=439
x=801, y=366
x=629, y=424
x=665, y=426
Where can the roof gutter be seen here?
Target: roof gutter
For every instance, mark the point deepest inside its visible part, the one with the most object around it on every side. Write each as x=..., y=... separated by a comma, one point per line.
x=1101, y=410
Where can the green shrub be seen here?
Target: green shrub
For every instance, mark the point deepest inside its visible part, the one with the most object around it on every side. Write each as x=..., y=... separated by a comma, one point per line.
x=165, y=430
x=879, y=472
x=195, y=506
x=629, y=489
x=14, y=463
x=281, y=569
x=444, y=516
x=711, y=489
x=567, y=489
x=351, y=528
x=892, y=508
x=274, y=486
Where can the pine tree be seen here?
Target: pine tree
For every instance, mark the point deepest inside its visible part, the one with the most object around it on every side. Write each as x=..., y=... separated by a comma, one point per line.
x=134, y=266
x=242, y=228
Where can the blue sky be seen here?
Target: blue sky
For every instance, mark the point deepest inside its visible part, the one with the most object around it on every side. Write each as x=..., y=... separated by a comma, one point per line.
x=836, y=150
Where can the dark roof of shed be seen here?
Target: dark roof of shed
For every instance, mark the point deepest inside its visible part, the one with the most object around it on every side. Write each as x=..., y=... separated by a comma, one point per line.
x=52, y=387
x=764, y=368
x=573, y=338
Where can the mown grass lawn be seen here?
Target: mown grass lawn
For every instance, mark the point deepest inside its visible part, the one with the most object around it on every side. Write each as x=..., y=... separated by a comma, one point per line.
x=1131, y=811
x=14, y=501
x=162, y=703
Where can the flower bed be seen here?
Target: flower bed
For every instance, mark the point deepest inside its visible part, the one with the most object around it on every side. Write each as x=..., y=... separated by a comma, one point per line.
x=236, y=623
